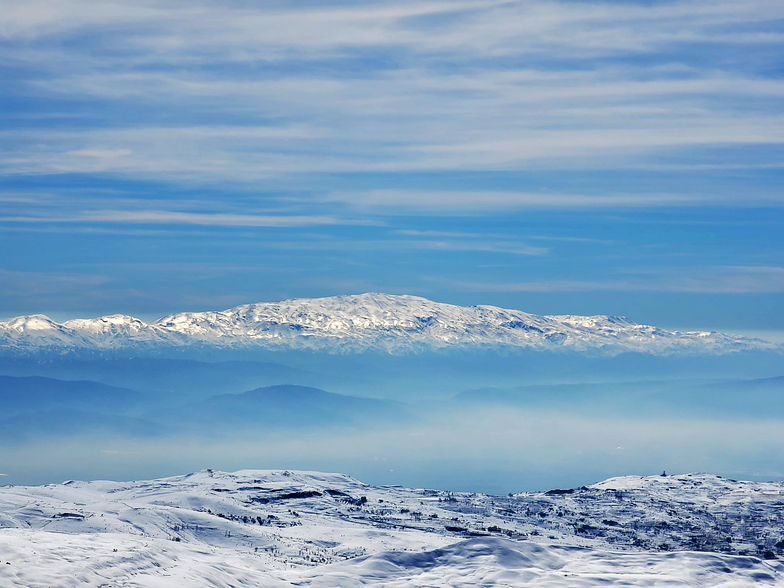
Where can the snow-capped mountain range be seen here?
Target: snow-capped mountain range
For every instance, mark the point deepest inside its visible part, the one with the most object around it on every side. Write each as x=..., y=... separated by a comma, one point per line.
x=379, y=322
x=282, y=528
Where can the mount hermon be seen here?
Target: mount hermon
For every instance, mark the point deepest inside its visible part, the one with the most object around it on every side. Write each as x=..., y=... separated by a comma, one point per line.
x=379, y=322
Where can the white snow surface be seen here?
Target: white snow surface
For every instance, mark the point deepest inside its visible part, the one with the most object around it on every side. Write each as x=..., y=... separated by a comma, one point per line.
x=281, y=528
x=379, y=322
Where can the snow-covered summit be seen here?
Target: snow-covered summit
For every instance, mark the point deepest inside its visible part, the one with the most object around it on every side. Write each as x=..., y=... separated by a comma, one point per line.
x=380, y=322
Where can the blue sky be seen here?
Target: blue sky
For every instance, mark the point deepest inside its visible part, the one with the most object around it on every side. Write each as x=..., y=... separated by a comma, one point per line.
x=581, y=157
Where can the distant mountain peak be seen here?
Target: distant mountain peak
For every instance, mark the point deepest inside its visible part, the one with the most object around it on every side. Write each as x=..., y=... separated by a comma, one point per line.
x=363, y=322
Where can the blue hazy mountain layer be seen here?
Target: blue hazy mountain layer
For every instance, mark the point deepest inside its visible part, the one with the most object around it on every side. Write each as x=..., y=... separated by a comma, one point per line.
x=36, y=393
x=282, y=406
x=380, y=374
x=36, y=408
x=171, y=377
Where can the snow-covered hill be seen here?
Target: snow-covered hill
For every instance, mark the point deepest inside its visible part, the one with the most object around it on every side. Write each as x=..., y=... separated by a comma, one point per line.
x=280, y=528
x=396, y=324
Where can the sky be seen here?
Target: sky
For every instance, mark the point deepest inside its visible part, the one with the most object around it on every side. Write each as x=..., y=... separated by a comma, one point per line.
x=558, y=157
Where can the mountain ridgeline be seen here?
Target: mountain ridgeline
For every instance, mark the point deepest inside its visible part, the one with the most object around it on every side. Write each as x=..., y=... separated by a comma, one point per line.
x=362, y=323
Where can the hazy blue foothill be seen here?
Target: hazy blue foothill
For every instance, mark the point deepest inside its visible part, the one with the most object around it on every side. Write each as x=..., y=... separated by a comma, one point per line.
x=36, y=393
x=166, y=375
x=373, y=373
x=280, y=407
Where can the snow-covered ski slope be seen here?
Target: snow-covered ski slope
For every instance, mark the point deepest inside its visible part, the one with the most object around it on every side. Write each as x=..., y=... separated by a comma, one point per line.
x=279, y=528
x=379, y=322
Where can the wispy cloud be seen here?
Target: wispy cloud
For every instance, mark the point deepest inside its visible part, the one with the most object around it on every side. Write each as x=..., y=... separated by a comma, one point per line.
x=412, y=245
x=24, y=289
x=516, y=248
x=453, y=234
x=699, y=280
x=637, y=27
x=364, y=87
x=493, y=201
x=186, y=218
x=734, y=280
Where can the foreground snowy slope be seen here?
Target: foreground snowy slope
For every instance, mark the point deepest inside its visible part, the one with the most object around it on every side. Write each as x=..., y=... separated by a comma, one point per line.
x=363, y=322
x=265, y=528
x=44, y=560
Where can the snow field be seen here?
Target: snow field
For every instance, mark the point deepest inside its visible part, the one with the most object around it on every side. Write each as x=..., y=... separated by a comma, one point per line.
x=280, y=528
